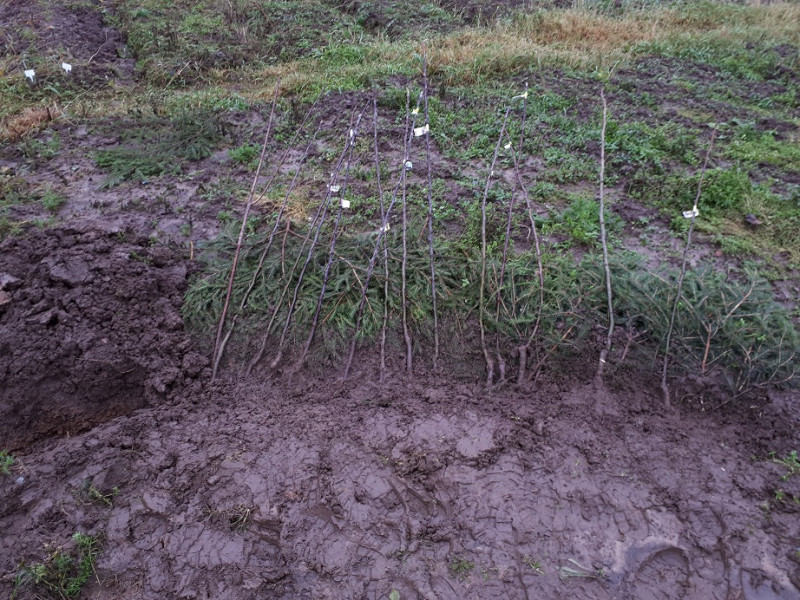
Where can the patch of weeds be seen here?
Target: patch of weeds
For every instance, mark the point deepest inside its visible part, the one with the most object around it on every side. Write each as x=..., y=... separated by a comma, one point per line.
x=762, y=148
x=36, y=149
x=240, y=518
x=725, y=191
x=155, y=149
x=394, y=595
x=64, y=572
x=460, y=567
x=535, y=565
x=6, y=462
x=88, y=493
x=567, y=166
x=52, y=200
x=580, y=221
x=246, y=154
x=791, y=462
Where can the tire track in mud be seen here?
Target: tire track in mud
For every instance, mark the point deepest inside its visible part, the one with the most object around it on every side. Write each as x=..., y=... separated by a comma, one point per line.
x=344, y=499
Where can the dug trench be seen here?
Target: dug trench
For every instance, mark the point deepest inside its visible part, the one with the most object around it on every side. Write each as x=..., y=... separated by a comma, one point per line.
x=430, y=487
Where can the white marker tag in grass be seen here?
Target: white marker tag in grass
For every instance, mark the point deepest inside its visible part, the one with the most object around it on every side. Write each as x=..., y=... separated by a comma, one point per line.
x=30, y=74
x=522, y=95
x=385, y=228
x=352, y=134
x=334, y=189
x=409, y=165
x=415, y=111
x=418, y=131
x=507, y=146
x=345, y=203
x=688, y=214
x=66, y=66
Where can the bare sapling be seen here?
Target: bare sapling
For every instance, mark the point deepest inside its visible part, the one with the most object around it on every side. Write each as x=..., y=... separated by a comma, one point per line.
x=427, y=133
x=379, y=242
x=682, y=275
x=384, y=246
x=238, y=251
x=332, y=249
x=404, y=264
x=268, y=245
x=523, y=349
x=315, y=227
x=598, y=378
x=481, y=299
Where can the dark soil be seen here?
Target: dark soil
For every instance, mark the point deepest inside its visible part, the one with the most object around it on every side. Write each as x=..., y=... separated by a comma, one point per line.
x=438, y=489
x=250, y=488
x=432, y=486
x=90, y=328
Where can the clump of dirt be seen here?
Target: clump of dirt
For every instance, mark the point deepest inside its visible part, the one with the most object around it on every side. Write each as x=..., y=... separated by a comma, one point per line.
x=90, y=328
x=65, y=30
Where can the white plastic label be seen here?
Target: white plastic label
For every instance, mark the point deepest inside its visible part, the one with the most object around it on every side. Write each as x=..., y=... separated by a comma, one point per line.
x=30, y=74
x=66, y=66
x=345, y=203
x=409, y=165
x=421, y=130
x=334, y=189
x=688, y=214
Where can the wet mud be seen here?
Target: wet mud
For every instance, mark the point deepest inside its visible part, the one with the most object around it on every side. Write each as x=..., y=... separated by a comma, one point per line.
x=90, y=328
x=436, y=488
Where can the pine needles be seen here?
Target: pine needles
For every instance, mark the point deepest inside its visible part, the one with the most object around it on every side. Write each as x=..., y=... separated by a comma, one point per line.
x=152, y=151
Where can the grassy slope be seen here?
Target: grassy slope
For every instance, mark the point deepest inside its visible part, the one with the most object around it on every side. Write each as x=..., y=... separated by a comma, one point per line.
x=669, y=70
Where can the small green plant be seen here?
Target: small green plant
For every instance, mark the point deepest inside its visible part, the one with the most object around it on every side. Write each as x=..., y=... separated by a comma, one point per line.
x=460, y=567
x=240, y=518
x=535, y=565
x=87, y=492
x=6, y=462
x=791, y=462
x=394, y=595
x=246, y=154
x=33, y=148
x=52, y=200
x=63, y=573
x=581, y=221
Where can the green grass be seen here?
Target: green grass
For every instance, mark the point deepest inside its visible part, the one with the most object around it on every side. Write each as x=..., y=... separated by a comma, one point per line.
x=64, y=572
x=6, y=462
x=156, y=148
x=761, y=148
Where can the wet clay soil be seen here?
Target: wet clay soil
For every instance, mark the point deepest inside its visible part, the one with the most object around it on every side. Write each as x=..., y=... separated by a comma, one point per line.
x=316, y=489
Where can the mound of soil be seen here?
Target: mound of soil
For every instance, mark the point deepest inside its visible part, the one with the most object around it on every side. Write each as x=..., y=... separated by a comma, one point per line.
x=432, y=488
x=90, y=328
x=313, y=488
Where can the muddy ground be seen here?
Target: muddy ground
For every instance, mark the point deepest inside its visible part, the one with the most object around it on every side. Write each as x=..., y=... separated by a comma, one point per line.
x=433, y=487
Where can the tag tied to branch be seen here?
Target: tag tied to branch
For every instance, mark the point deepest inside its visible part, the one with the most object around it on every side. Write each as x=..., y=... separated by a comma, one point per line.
x=418, y=131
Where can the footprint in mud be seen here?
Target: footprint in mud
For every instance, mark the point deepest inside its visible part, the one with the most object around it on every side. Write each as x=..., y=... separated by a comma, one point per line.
x=663, y=575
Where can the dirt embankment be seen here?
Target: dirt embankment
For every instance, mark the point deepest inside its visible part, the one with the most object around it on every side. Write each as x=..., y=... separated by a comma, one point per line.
x=251, y=488
x=90, y=328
